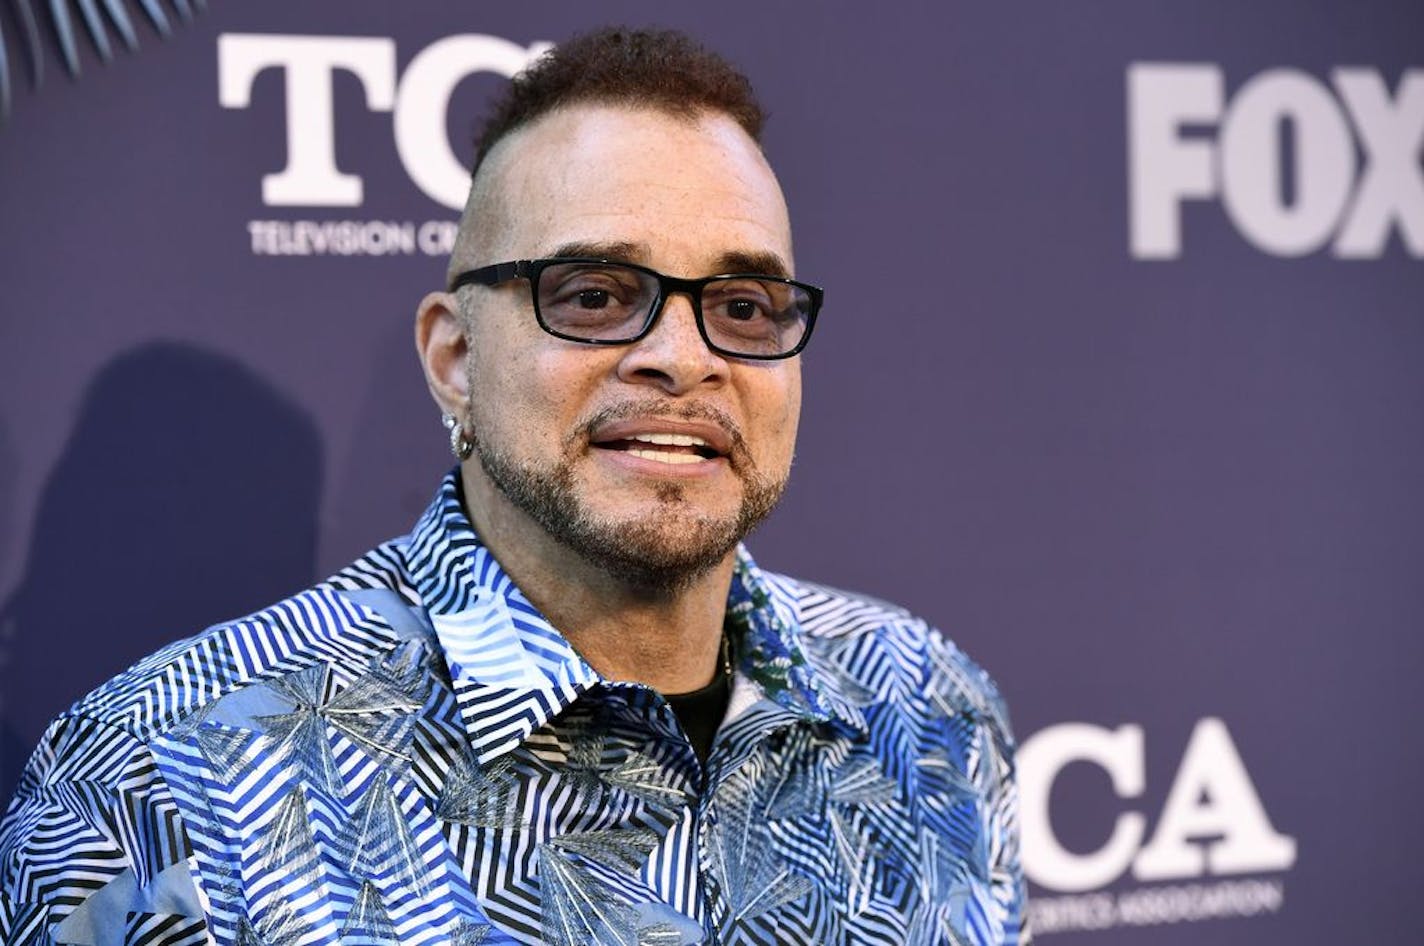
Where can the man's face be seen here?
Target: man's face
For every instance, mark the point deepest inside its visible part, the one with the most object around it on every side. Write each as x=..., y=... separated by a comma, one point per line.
x=568, y=433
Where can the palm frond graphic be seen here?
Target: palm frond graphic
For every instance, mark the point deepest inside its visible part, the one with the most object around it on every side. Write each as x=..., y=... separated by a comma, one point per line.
x=57, y=28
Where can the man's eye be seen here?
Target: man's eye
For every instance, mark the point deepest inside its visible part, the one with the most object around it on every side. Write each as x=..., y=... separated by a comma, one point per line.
x=744, y=309
x=593, y=298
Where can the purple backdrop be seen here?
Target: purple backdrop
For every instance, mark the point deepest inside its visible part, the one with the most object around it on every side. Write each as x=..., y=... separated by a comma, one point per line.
x=1118, y=381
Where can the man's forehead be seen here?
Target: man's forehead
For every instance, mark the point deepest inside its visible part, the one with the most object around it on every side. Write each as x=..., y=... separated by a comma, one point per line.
x=639, y=177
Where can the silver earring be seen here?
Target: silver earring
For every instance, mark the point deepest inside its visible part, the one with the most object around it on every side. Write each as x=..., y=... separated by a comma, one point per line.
x=459, y=445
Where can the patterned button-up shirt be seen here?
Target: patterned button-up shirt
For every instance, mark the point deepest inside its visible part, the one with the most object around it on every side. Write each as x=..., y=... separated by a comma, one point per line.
x=409, y=753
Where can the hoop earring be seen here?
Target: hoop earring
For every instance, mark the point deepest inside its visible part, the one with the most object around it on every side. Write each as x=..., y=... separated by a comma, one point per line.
x=459, y=444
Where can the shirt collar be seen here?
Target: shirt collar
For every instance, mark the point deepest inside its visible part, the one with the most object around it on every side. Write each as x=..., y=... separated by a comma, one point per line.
x=513, y=672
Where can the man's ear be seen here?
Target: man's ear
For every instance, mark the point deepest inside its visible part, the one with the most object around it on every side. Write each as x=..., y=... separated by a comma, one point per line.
x=441, y=343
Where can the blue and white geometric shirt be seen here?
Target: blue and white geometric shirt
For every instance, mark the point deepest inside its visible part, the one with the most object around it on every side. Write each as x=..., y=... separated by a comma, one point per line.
x=410, y=754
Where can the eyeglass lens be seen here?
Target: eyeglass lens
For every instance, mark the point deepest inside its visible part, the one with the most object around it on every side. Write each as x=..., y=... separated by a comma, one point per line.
x=611, y=303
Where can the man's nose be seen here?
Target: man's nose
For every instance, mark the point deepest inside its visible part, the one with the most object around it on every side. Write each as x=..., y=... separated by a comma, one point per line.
x=673, y=355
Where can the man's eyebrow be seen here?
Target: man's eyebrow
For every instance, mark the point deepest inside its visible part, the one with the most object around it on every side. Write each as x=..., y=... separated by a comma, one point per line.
x=760, y=263
x=623, y=252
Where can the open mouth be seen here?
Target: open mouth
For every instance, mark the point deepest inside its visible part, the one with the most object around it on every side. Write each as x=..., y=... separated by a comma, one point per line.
x=668, y=448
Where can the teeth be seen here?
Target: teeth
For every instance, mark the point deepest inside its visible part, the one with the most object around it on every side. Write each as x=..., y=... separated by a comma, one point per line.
x=671, y=440
x=663, y=456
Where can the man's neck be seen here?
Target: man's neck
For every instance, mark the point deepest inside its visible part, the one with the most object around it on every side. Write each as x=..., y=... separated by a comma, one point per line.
x=668, y=640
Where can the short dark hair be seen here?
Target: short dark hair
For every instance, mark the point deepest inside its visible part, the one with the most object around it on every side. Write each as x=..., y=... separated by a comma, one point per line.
x=661, y=69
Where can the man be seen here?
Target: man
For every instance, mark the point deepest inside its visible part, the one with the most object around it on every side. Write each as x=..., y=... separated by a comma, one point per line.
x=568, y=708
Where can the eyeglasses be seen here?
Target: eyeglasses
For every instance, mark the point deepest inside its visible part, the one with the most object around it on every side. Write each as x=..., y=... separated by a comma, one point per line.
x=602, y=302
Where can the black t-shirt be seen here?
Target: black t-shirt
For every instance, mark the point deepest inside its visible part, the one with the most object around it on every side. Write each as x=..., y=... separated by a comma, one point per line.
x=700, y=712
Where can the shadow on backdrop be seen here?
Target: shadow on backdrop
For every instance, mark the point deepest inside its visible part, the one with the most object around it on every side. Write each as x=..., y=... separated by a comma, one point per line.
x=396, y=412
x=9, y=466
x=187, y=494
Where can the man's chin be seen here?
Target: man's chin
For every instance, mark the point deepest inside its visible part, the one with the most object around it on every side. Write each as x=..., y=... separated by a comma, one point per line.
x=659, y=538
x=660, y=551
x=667, y=508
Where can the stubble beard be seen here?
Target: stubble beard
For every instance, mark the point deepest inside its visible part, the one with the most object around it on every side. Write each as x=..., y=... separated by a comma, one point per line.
x=656, y=555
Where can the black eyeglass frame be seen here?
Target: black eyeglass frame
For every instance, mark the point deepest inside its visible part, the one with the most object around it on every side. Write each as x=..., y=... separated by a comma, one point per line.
x=529, y=269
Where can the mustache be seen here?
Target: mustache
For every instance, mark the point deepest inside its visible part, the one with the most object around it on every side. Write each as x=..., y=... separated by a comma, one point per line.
x=657, y=407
